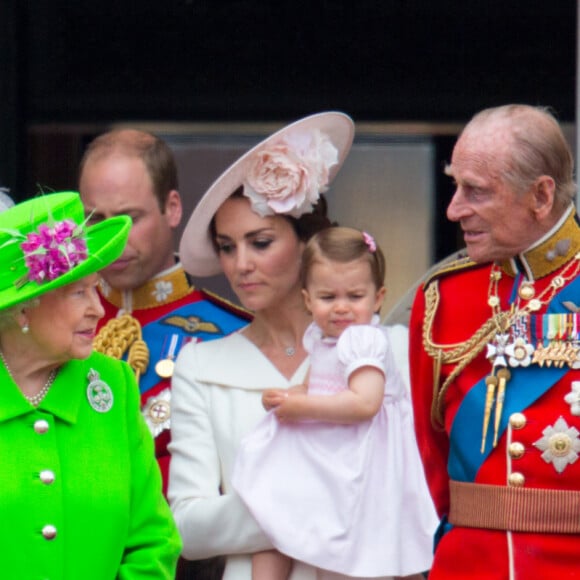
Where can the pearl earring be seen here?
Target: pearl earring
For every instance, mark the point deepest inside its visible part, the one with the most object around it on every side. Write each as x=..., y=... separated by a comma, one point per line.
x=25, y=328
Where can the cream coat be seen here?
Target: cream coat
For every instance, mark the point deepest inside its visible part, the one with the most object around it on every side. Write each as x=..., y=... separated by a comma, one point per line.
x=216, y=400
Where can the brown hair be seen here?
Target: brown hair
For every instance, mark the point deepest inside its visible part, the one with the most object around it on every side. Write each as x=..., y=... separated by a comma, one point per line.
x=304, y=226
x=153, y=151
x=341, y=244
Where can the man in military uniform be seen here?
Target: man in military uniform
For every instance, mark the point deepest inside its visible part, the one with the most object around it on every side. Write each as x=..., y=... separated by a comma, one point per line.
x=151, y=308
x=495, y=357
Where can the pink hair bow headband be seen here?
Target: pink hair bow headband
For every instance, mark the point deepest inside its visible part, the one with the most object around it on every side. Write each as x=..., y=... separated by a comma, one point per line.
x=370, y=242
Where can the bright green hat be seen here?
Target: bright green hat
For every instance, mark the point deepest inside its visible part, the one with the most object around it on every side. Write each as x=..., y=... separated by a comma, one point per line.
x=45, y=244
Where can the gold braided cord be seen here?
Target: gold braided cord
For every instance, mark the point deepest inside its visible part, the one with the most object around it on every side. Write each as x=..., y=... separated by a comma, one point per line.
x=123, y=335
x=462, y=353
x=450, y=353
x=138, y=357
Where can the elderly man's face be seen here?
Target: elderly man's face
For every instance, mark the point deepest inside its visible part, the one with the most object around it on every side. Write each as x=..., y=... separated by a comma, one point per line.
x=497, y=222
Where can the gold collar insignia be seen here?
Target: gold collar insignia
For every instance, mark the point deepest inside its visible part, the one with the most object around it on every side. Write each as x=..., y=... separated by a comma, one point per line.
x=556, y=249
x=165, y=288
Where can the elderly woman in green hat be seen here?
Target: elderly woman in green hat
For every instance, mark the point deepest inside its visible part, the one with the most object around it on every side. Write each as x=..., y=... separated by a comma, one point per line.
x=80, y=488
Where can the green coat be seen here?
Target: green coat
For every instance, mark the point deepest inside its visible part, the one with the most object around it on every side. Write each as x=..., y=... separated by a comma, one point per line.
x=90, y=476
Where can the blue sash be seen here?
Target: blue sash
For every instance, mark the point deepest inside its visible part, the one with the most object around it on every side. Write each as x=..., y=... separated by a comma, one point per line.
x=525, y=386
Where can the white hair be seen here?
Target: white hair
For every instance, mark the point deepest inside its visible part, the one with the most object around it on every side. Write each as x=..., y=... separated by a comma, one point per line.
x=5, y=200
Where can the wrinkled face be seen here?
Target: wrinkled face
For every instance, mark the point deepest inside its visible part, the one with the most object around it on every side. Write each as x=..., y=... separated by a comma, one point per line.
x=260, y=256
x=341, y=294
x=497, y=222
x=120, y=185
x=63, y=324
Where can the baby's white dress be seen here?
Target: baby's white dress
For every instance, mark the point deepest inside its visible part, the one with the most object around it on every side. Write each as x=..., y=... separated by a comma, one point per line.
x=350, y=498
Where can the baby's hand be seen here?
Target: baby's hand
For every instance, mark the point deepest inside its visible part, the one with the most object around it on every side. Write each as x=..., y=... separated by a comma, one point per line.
x=271, y=398
x=289, y=409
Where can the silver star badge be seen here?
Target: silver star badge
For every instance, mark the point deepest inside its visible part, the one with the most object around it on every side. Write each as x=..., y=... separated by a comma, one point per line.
x=560, y=445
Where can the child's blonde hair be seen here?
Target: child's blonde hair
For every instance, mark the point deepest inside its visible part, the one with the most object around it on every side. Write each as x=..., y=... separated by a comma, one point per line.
x=342, y=244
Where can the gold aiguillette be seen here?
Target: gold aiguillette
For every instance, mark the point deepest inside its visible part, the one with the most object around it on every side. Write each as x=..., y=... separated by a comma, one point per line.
x=491, y=383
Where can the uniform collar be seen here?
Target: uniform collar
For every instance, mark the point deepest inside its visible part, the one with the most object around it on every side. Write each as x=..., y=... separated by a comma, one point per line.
x=560, y=245
x=165, y=288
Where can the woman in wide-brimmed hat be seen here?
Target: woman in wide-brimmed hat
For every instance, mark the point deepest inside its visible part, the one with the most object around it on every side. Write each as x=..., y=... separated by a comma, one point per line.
x=252, y=224
x=81, y=491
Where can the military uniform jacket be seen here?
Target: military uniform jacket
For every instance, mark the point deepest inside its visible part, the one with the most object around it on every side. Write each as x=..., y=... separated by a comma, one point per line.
x=171, y=313
x=507, y=492
x=80, y=488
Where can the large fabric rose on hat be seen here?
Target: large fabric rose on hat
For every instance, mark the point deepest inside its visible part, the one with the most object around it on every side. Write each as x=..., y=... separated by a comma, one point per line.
x=288, y=177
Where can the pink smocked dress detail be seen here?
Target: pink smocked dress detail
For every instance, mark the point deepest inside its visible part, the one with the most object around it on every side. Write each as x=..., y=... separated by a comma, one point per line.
x=347, y=498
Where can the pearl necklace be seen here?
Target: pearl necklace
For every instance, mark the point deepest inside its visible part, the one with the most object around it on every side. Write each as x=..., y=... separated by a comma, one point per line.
x=34, y=399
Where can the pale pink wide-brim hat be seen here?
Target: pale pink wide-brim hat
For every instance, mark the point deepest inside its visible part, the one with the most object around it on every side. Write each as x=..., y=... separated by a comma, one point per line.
x=196, y=250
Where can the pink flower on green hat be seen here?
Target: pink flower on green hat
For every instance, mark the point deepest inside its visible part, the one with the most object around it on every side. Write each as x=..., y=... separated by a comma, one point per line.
x=51, y=251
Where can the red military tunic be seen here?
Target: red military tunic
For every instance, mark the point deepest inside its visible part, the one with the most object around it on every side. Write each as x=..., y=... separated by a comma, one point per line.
x=509, y=510
x=170, y=313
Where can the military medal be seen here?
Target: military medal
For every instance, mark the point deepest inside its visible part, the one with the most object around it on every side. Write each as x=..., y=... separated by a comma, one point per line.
x=496, y=350
x=520, y=351
x=157, y=412
x=99, y=393
x=526, y=291
x=557, y=341
x=164, y=367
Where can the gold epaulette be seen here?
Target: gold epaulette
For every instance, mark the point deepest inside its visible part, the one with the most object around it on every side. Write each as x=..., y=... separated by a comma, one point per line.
x=227, y=304
x=455, y=263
